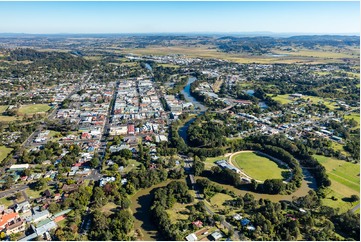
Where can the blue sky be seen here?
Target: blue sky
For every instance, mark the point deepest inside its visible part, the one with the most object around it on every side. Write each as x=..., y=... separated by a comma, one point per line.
x=162, y=17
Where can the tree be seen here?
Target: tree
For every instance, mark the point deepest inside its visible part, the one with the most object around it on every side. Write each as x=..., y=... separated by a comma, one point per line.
x=94, y=162
x=354, y=198
x=9, y=181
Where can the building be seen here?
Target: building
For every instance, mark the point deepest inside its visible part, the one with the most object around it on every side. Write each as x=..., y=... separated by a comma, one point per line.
x=217, y=235
x=19, y=167
x=131, y=129
x=191, y=237
x=225, y=165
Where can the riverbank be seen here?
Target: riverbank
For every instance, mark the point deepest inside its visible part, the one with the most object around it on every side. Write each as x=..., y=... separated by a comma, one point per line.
x=141, y=203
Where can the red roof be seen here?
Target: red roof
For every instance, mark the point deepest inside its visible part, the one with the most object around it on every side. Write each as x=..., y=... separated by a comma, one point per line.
x=6, y=218
x=198, y=223
x=131, y=128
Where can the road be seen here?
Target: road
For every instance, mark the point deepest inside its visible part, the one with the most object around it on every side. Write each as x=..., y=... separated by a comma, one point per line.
x=354, y=209
x=13, y=190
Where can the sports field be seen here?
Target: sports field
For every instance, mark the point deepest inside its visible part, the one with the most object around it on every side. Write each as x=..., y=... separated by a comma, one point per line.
x=33, y=108
x=345, y=181
x=258, y=167
x=4, y=152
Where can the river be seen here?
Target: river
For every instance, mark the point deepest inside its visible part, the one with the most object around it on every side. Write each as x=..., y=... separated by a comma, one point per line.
x=148, y=67
x=182, y=131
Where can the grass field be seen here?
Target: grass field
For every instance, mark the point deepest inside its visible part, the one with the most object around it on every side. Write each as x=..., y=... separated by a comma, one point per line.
x=258, y=167
x=355, y=117
x=3, y=108
x=345, y=181
x=209, y=51
x=4, y=151
x=33, y=108
x=107, y=208
x=168, y=65
x=178, y=212
x=210, y=161
x=283, y=99
x=339, y=147
x=6, y=201
x=217, y=201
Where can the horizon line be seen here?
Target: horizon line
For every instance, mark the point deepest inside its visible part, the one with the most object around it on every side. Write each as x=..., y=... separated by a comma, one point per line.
x=191, y=32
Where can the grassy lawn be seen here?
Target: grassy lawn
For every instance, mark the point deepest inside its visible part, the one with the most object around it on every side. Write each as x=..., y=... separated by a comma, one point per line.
x=62, y=223
x=6, y=201
x=133, y=164
x=345, y=181
x=108, y=207
x=4, y=152
x=178, y=212
x=3, y=108
x=33, y=108
x=218, y=199
x=283, y=99
x=337, y=146
x=8, y=118
x=210, y=161
x=168, y=65
x=354, y=116
x=316, y=100
x=258, y=167
x=32, y=193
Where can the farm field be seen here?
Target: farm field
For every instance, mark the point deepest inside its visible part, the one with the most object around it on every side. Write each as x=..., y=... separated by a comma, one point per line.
x=33, y=108
x=4, y=151
x=258, y=167
x=209, y=51
x=345, y=181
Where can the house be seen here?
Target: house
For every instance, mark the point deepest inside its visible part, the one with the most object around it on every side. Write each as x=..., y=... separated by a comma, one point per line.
x=22, y=207
x=245, y=222
x=191, y=237
x=15, y=227
x=38, y=215
x=131, y=129
x=7, y=218
x=237, y=217
x=216, y=235
x=198, y=224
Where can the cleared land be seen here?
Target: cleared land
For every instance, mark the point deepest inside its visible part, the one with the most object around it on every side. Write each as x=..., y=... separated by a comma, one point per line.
x=258, y=167
x=3, y=108
x=33, y=108
x=218, y=200
x=107, y=208
x=355, y=117
x=209, y=51
x=285, y=99
x=345, y=181
x=178, y=212
x=4, y=151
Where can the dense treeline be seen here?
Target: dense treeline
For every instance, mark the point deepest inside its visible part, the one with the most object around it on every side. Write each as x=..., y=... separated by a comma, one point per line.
x=50, y=60
x=165, y=198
